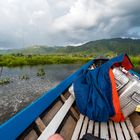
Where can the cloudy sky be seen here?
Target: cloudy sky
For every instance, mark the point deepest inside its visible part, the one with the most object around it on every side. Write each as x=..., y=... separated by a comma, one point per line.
x=63, y=22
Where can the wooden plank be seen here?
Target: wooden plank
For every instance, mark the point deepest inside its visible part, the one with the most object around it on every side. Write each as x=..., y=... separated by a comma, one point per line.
x=96, y=129
x=137, y=129
x=84, y=128
x=119, y=131
x=104, y=131
x=125, y=131
x=74, y=113
x=41, y=126
x=66, y=94
x=135, y=119
x=56, y=121
x=51, y=113
x=90, y=127
x=131, y=130
x=78, y=128
x=112, y=130
x=68, y=128
x=31, y=136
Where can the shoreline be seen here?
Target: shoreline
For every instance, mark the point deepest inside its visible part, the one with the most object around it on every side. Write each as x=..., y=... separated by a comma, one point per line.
x=33, y=60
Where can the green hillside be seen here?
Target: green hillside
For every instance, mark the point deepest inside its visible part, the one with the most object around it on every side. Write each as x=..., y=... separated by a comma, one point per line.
x=109, y=47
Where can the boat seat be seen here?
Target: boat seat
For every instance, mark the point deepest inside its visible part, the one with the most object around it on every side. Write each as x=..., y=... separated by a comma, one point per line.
x=115, y=131
x=105, y=130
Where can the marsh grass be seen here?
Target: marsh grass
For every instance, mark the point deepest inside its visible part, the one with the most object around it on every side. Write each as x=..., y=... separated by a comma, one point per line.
x=41, y=72
x=135, y=60
x=24, y=77
x=4, y=81
x=22, y=60
x=13, y=61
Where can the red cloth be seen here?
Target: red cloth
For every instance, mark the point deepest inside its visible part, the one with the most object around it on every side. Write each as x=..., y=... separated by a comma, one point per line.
x=115, y=98
x=126, y=63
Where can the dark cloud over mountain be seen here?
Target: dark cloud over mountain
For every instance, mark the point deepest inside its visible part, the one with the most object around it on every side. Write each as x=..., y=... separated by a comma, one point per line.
x=64, y=22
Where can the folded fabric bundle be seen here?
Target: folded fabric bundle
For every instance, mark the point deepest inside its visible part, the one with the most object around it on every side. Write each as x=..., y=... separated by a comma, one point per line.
x=96, y=93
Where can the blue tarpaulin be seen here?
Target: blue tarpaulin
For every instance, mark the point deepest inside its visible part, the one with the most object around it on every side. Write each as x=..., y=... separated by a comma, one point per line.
x=93, y=90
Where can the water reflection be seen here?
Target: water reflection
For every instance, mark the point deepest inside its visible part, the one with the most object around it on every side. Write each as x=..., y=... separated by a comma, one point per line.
x=20, y=93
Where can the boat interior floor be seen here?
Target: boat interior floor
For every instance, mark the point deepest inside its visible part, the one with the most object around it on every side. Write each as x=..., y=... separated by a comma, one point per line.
x=64, y=118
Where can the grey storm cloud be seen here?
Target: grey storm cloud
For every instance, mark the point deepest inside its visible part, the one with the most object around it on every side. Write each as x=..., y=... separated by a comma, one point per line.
x=63, y=22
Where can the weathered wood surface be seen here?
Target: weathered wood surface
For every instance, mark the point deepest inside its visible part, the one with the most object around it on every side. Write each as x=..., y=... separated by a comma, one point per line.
x=109, y=130
x=77, y=128
x=68, y=128
x=31, y=136
x=135, y=119
x=84, y=127
x=41, y=126
x=104, y=131
x=56, y=121
x=125, y=131
x=73, y=111
x=90, y=126
x=119, y=131
x=63, y=118
x=112, y=130
x=96, y=129
x=51, y=113
x=137, y=129
x=131, y=129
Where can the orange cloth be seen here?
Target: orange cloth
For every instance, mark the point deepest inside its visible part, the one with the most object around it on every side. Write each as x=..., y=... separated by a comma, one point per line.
x=115, y=98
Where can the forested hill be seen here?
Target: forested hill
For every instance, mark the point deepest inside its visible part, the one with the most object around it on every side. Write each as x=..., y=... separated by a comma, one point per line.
x=109, y=46
x=98, y=47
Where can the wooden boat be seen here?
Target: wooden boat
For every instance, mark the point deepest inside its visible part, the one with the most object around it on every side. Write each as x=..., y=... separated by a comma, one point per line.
x=56, y=112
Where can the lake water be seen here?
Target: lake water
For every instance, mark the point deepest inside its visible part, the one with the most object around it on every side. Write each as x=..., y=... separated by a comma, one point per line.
x=19, y=93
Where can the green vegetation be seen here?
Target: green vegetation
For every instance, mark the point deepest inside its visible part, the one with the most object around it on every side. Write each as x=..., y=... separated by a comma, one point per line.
x=5, y=81
x=108, y=47
x=12, y=60
x=24, y=77
x=135, y=60
x=36, y=55
x=41, y=72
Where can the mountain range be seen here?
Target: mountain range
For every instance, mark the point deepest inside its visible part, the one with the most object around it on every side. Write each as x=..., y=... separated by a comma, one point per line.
x=98, y=47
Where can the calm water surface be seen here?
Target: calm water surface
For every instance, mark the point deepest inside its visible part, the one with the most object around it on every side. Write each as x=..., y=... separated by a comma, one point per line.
x=19, y=93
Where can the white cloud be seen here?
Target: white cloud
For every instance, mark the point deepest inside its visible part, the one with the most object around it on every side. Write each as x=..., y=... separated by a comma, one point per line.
x=66, y=22
x=101, y=17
